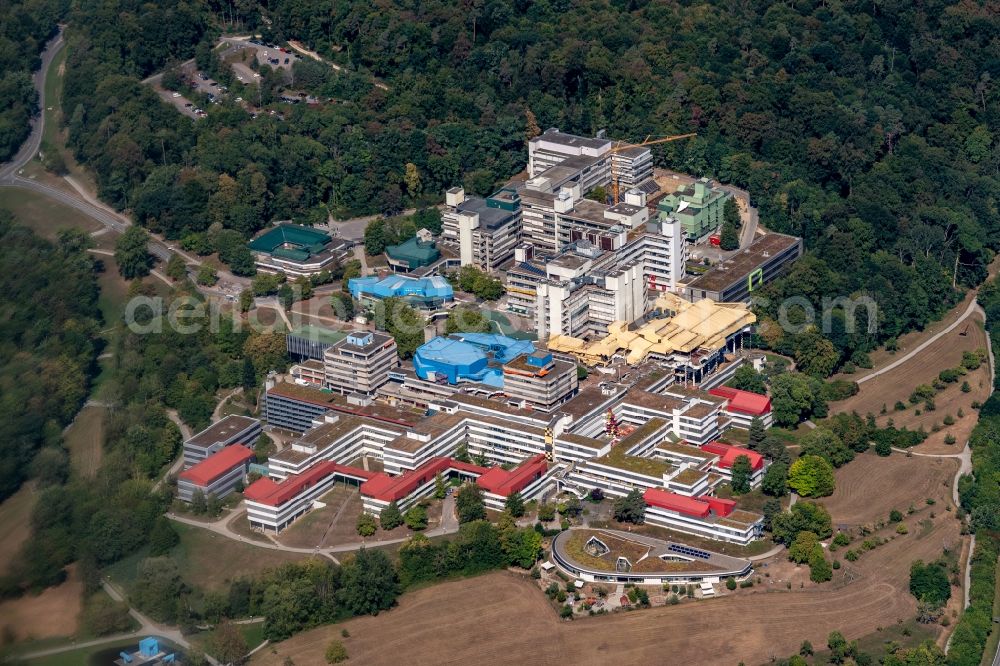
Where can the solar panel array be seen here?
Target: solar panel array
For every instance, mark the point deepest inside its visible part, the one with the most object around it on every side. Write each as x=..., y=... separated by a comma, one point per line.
x=688, y=550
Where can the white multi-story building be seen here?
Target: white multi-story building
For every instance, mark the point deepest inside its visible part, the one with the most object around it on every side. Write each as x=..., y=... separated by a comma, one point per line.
x=360, y=363
x=584, y=288
x=631, y=167
x=485, y=230
x=553, y=147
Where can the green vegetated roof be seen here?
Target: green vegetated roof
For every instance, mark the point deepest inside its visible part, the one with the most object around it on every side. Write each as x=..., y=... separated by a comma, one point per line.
x=619, y=459
x=414, y=251
x=292, y=241
x=318, y=334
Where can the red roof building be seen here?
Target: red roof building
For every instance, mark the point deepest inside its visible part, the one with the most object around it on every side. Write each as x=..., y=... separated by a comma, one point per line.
x=217, y=465
x=728, y=454
x=696, y=507
x=268, y=492
x=387, y=488
x=502, y=482
x=688, y=506
x=744, y=402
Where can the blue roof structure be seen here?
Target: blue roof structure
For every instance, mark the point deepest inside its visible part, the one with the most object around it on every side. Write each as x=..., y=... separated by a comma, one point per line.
x=425, y=289
x=467, y=357
x=502, y=348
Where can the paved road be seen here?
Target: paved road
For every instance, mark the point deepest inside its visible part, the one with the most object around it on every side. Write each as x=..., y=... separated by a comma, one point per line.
x=10, y=175
x=34, y=140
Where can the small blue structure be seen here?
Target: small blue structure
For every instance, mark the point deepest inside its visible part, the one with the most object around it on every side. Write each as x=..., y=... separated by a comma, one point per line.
x=149, y=647
x=467, y=357
x=126, y=657
x=428, y=292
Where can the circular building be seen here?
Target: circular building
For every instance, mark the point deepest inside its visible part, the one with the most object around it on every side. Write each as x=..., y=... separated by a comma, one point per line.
x=613, y=556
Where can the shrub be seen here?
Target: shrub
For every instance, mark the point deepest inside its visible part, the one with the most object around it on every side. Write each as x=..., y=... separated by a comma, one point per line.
x=949, y=439
x=902, y=529
x=566, y=612
x=730, y=583
x=841, y=539
x=335, y=652
x=899, y=406
x=366, y=525
x=895, y=516
x=948, y=420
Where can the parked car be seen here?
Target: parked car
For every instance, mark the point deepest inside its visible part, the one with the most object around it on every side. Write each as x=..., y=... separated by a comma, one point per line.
x=176, y=94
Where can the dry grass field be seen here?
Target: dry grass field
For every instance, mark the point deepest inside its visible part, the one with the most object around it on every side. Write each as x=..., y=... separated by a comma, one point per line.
x=922, y=368
x=503, y=618
x=869, y=487
x=85, y=440
x=15, y=523
x=53, y=613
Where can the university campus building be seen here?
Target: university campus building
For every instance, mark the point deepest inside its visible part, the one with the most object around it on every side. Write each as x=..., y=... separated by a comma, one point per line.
x=219, y=474
x=735, y=279
x=665, y=443
x=230, y=430
x=296, y=251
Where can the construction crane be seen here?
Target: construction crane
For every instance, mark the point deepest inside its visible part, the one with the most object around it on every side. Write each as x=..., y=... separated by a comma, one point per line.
x=621, y=146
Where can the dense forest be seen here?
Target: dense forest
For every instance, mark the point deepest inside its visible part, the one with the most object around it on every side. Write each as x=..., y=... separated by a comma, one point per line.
x=24, y=29
x=980, y=496
x=863, y=127
x=48, y=348
x=155, y=369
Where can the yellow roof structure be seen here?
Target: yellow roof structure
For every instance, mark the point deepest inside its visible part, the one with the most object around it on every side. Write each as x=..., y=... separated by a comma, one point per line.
x=702, y=325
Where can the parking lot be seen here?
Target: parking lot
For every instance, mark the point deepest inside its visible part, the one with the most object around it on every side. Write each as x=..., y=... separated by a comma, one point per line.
x=239, y=53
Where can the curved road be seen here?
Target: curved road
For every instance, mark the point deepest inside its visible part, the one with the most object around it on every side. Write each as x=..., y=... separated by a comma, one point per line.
x=449, y=525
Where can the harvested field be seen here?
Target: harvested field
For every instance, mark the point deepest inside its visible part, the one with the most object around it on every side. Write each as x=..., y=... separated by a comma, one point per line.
x=869, y=487
x=15, y=523
x=50, y=614
x=501, y=618
x=85, y=439
x=923, y=368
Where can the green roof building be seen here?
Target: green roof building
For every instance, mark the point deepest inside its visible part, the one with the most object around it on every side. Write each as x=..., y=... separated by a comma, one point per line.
x=698, y=206
x=295, y=250
x=412, y=254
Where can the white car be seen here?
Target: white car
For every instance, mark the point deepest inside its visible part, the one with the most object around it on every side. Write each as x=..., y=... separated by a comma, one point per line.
x=239, y=99
x=176, y=95
x=239, y=76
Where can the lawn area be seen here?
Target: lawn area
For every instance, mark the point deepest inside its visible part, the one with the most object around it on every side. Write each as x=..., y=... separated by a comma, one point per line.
x=253, y=634
x=42, y=215
x=208, y=560
x=15, y=523
x=211, y=561
x=84, y=439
